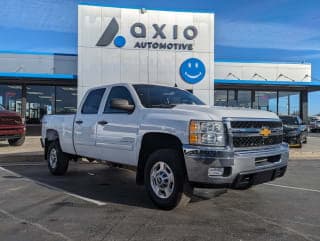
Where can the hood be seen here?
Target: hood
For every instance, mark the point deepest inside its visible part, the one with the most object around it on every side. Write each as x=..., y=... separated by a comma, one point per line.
x=10, y=118
x=217, y=112
x=8, y=113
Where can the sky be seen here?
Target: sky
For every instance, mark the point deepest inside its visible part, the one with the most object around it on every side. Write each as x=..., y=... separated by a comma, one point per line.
x=245, y=30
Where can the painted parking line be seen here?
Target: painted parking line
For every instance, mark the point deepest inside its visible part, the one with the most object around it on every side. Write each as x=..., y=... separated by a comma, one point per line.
x=291, y=187
x=23, y=164
x=90, y=200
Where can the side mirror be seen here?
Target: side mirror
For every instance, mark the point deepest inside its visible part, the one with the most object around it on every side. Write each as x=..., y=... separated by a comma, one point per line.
x=121, y=104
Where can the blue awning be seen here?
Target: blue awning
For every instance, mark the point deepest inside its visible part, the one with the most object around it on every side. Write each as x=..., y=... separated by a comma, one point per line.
x=252, y=83
x=37, y=75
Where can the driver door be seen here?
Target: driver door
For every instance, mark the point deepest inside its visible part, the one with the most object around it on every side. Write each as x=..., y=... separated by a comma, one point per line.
x=117, y=129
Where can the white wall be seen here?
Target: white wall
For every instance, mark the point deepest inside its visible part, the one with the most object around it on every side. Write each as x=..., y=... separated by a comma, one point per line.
x=110, y=64
x=263, y=71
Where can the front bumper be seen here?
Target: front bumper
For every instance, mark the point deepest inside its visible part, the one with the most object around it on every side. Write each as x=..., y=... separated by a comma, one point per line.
x=292, y=139
x=241, y=168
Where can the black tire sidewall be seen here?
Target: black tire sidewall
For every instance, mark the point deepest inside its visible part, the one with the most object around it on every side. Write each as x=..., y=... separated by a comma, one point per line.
x=62, y=161
x=17, y=141
x=174, y=160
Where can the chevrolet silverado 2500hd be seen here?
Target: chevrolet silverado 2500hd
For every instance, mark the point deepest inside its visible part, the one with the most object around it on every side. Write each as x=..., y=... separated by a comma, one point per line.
x=172, y=139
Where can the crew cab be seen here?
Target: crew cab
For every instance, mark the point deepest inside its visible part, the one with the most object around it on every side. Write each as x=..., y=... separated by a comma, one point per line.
x=12, y=127
x=171, y=138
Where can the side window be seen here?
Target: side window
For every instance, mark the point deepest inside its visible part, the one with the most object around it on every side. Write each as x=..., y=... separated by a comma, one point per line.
x=92, y=102
x=118, y=92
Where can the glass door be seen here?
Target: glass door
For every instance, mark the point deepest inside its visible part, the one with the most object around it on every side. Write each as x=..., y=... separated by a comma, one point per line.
x=40, y=102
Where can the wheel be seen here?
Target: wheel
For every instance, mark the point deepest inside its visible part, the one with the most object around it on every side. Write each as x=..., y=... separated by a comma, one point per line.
x=305, y=141
x=17, y=141
x=165, y=179
x=58, y=161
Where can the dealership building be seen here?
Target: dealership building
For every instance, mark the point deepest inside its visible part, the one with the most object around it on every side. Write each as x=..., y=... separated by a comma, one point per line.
x=147, y=46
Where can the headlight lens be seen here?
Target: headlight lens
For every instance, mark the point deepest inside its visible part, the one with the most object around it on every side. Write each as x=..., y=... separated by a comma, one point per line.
x=211, y=133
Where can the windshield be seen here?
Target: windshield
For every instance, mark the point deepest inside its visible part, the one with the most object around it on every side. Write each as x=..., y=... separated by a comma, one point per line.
x=154, y=96
x=290, y=120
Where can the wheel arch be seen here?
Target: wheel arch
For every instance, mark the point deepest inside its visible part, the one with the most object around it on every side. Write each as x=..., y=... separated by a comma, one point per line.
x=51, y=135
x=151, y=142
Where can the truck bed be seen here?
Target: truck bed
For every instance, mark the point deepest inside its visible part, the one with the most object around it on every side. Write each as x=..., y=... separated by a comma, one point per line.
x=63, y=124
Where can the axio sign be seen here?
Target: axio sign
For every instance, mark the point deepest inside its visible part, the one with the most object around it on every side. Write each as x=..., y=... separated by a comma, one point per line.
x=139, y=31
x=156, y=47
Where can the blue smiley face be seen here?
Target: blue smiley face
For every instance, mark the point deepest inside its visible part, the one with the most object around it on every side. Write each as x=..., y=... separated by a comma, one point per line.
x=192, y=70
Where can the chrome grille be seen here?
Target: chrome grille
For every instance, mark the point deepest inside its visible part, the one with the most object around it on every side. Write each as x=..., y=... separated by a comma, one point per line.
x=245, y=133
x=255, y=141
x=255, y=124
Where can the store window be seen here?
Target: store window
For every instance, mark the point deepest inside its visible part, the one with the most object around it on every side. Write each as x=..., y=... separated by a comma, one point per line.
x=232, y=98
x=40, y=102
x=289, y=103
x=220, y=97
x=66, y=100
x=244, y=98
x=10, y=97
x=265, y=100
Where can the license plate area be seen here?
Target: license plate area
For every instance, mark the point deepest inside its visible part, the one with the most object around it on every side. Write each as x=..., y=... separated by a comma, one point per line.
x=265, y=160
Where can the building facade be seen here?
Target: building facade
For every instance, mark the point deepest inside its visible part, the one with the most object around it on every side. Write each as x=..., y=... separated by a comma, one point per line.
x=149, y=46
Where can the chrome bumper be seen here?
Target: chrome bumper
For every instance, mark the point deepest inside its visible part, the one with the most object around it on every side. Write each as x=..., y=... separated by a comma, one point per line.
x=251, y=165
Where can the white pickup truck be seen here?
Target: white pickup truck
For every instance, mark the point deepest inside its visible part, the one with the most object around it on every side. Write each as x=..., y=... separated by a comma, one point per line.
x=172, y=139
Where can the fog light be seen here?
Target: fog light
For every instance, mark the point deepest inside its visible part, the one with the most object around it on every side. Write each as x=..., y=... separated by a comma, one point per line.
x=215, y=171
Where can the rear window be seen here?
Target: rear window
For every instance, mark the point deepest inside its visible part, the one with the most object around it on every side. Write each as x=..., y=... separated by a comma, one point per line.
x=92, y=102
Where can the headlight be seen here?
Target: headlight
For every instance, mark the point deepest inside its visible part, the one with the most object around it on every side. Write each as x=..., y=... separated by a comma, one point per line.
x=211, y=133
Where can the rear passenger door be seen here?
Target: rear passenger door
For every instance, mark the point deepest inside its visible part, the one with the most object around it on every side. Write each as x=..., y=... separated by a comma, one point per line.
x=117, y=129
x=85, y=126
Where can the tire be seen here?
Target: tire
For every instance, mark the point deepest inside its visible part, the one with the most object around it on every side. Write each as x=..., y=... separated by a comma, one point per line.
x=305, y=141
x=165, y=167
x=58, y=161
x=17, y=141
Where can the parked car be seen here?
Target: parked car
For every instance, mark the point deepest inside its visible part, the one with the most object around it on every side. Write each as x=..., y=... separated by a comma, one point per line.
x=295, y=132
x=314, y=124
x=171, y=138
x=12, y=127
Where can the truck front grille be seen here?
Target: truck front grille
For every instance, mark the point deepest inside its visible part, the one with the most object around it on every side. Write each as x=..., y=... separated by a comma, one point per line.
x=10, y=120
x=255, y=124
x=246, y=133
x=255, y=141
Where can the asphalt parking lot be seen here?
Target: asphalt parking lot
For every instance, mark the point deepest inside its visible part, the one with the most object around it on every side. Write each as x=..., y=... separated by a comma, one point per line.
x=98, y=202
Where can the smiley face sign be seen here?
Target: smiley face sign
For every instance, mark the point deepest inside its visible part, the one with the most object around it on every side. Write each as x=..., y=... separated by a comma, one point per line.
x=192, y=70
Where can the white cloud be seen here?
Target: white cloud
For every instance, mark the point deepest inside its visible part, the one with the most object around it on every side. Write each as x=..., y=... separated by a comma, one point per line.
x=266, y=35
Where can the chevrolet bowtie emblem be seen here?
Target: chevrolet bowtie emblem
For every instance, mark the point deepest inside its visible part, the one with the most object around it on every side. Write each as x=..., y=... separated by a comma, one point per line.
x=265, y=132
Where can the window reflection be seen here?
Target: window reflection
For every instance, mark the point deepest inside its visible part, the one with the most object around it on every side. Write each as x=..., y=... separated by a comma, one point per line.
x=10, y=97
x=66, y=100
x=244, y=98
x=220, y=97
x=265, y=100
x=289, y=103
x=40, y=102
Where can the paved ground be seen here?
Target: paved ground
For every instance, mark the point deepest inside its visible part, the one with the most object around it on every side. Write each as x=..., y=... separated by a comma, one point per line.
x=96, y=202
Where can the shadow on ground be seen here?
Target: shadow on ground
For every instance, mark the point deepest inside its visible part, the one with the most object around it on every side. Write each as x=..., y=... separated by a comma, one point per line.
x=99, y=182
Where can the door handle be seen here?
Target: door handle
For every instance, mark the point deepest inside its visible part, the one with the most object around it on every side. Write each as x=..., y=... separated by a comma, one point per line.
x=79, y=122
x=103, y=122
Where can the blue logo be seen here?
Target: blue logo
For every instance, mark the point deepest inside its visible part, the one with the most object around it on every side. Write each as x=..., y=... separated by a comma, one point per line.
x=192, y=70
x=110, y=33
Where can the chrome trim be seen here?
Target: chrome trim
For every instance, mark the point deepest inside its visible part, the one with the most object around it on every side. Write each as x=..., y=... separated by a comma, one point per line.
x=249, y=132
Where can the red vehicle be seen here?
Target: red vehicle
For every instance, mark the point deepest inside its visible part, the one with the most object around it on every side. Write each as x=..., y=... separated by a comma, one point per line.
x=12, y=127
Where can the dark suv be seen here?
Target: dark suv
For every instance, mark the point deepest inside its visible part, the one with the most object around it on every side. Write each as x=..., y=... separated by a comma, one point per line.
x=12, y=127
x=294, y=130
